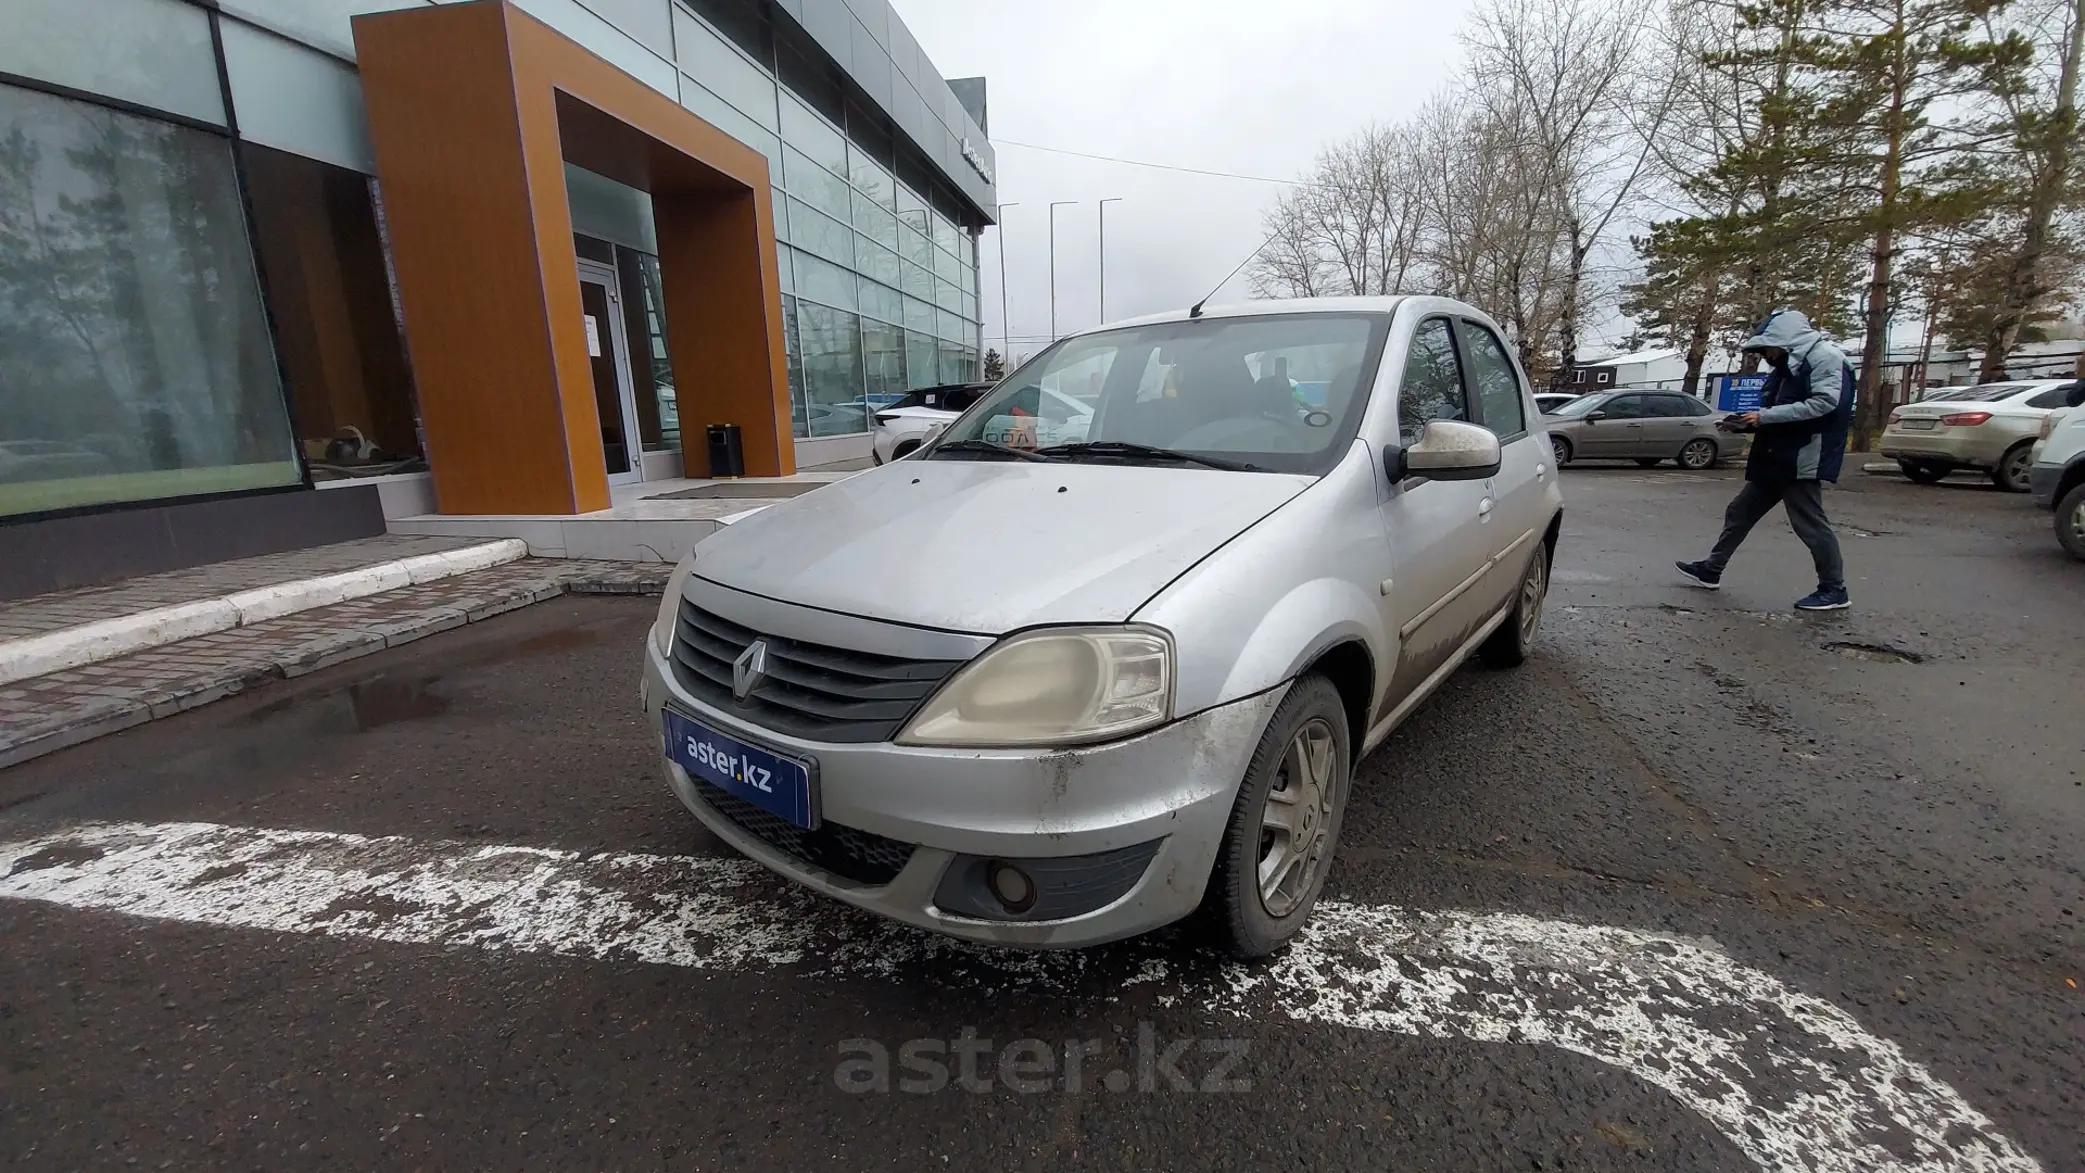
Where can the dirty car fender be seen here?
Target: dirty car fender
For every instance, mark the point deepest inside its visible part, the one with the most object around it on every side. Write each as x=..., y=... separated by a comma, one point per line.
x=1256, y=612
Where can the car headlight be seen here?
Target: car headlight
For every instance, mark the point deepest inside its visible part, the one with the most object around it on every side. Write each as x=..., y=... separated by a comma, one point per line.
x=1053, y=686
x=670, y=605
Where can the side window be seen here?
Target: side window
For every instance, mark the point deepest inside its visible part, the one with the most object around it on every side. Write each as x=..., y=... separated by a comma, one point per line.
x=1496, y=383
x=1667, y=405
x=1432, y=385
x=1625, y=407
x=2053, y=397
x=1606, y=377
x=1696, y=406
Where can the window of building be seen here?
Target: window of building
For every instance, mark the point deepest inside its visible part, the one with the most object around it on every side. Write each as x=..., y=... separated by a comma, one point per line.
x=922, y=359
x=336, y=328
x=793, y=358
x=135, y=361
x=644, y=311
x=832, y=348
x=1605, y=377
x=883, y=357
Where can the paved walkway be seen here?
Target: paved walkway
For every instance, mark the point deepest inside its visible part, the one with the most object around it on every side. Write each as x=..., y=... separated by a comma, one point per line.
x=62, y=609
x=47, y=713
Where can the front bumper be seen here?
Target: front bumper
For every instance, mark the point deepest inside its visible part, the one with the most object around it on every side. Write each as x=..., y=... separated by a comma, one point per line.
x=1173, y=786
x=2042, y=480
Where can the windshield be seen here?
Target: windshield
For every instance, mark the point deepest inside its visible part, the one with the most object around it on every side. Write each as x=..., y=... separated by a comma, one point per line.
x=1280, y=393
x=1578, y=406
x=1984, y=394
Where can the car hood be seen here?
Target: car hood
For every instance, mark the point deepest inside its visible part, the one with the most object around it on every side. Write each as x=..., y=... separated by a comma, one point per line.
x=989, y=547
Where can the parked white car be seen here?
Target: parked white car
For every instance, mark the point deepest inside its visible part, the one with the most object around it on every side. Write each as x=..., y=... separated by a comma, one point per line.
x=1061, y=694
x=1989, y=428
x=918, y=417
x=2057, y=475
x=1044, y=416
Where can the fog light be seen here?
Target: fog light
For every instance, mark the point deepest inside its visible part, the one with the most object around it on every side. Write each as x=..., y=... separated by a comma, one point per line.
x=1011, y=886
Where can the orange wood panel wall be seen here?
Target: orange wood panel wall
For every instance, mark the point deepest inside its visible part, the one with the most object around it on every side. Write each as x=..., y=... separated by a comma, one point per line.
x=473, y=109
x=458, y=205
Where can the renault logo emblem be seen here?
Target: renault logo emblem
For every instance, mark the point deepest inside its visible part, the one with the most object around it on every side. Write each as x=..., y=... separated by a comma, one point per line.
x=749, y=670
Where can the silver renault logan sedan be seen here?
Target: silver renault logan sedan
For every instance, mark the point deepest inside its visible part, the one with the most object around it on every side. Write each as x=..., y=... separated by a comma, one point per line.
x=1046, y=686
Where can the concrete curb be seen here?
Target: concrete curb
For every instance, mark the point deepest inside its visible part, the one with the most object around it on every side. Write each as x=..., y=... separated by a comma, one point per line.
x=106, y=639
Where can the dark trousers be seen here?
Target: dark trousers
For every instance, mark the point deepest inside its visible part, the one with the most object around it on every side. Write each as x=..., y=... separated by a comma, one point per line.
x=1804, y=501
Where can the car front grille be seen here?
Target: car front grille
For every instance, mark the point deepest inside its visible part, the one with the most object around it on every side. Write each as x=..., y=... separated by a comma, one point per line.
x=860, y=857
x=812, y=691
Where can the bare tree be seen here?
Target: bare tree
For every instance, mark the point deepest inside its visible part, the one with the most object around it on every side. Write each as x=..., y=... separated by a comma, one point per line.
x=1573, y=80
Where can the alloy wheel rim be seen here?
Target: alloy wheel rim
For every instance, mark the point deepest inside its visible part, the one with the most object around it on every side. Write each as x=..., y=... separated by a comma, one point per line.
x=2078, y=523
x=2017, y=466
x=1558, y=452
x=1296, y=819
x=1533, y=589
x=1695, y=455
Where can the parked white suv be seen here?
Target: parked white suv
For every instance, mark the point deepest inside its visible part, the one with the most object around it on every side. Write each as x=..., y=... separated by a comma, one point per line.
x=2057, y=476
x=1063, y=694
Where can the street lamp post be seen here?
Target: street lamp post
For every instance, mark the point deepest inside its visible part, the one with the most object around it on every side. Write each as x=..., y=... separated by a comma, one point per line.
x=1054, y=205
x=1104, y=256
x=1006, y=348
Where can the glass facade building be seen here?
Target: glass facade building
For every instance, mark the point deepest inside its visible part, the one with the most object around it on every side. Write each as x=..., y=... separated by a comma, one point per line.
x=197, y=289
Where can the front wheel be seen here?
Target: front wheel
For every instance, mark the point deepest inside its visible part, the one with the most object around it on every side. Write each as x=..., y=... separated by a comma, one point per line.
x=1923, y=472
x=1284, y=823
x=2070, y=522
x=1698, y=455
x=2014, y=468
x=1560, y=449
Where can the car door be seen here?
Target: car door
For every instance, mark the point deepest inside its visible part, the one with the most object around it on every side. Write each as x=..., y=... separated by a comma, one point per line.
x=1666, y=425
x=1440, y=538
x=1520, y=492
x=1619, y=430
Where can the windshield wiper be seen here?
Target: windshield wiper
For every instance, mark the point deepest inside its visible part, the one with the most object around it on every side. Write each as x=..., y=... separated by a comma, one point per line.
x=1126, y=450
x=985, y=446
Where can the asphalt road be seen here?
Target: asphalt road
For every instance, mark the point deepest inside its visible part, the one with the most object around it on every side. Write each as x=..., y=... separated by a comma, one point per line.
x=1893, y=827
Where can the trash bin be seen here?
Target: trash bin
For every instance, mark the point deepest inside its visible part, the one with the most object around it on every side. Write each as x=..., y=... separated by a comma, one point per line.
x=727, y=452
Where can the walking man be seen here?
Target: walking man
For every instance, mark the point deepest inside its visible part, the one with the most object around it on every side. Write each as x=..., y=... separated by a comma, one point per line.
x=1804, y=414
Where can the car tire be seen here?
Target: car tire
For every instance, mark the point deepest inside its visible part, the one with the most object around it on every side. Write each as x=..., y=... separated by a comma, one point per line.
x=1698, y=455
x=1560, y=450
x=1509, y=646
x=2014, y=467
x=2070, y=522
x=1924, y=472
x=1649, y=461
x=1306, y=753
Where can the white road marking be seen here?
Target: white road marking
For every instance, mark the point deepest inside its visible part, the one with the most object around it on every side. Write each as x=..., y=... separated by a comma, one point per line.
x=1793, y=1081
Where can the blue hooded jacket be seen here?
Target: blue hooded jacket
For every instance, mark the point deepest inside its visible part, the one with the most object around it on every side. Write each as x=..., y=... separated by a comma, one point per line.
x=1806, y=408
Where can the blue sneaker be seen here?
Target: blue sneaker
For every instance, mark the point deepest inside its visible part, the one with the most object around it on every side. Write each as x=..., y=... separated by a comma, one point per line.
x=1824, y=599
x=1701, y=574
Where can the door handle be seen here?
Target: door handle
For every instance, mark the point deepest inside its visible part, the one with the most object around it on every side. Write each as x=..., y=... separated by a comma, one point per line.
x=1541, y=470
x=1484, y=507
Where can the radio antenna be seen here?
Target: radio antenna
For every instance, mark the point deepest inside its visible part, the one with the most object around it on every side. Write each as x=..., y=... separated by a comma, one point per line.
x=1196, y=310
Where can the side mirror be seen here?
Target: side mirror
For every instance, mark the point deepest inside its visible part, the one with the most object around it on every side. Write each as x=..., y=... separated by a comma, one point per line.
x=1449, y=450
x=1594, y=417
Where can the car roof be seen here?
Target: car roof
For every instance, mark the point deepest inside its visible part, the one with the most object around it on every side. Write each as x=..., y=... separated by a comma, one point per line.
x=1296, y=305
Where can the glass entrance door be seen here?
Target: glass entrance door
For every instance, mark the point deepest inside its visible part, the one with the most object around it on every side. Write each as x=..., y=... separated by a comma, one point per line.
x=608, y=355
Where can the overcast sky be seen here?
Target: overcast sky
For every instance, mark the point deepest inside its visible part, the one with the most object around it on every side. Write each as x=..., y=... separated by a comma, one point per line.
x=1220, y=85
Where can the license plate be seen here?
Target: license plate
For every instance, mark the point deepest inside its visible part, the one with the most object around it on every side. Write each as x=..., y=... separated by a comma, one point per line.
x=781, y=786
x=1917, y=425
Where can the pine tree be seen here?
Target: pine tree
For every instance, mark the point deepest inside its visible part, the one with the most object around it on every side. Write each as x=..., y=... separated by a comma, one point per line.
x=995, y=366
